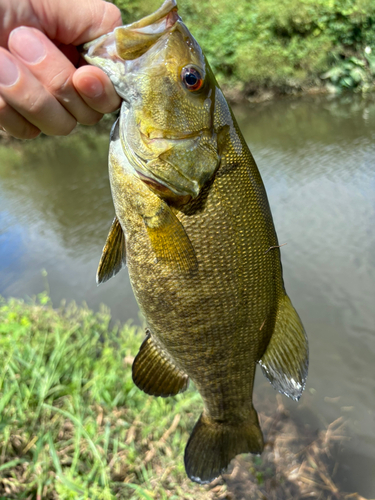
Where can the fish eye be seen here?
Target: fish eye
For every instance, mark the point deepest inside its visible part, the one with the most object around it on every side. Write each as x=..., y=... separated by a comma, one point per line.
x=192, y=78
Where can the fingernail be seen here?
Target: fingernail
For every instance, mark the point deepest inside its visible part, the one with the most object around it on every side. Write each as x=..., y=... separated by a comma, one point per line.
x=8, y=70
x=26, y=44
x=91, y=86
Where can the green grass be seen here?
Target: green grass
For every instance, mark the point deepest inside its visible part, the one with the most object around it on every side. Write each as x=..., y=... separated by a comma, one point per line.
x=73, y=425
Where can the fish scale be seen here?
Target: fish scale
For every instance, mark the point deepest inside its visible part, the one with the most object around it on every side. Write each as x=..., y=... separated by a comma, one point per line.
x=194, y=226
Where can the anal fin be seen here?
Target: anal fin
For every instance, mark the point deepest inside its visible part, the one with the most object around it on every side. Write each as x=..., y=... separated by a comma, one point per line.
x=113, y=257
x=285, y=362
x=155, y=374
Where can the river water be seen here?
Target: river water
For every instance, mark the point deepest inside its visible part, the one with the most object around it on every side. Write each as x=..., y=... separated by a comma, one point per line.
x=317, y=160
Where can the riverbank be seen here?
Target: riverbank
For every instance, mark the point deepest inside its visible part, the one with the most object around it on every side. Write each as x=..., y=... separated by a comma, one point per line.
x=73, y=425
x=273, y=47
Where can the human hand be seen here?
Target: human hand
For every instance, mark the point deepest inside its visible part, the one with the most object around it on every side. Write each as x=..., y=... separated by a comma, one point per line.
x=40, y=87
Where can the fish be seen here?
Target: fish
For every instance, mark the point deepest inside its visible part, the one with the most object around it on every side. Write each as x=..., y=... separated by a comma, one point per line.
x=194, y=227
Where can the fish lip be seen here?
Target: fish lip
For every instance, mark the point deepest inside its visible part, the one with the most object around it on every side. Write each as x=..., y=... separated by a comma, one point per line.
x=176, y=136
x=170, y=18
x=151, y=180
x=160, y=183
x=167, y=10
x=103, y=46
x=159, y=135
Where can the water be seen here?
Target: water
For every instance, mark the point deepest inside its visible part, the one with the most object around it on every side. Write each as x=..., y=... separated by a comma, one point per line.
x=317, y=159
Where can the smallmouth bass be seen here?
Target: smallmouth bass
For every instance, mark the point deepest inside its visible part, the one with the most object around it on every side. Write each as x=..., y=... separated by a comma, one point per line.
x=194, y=227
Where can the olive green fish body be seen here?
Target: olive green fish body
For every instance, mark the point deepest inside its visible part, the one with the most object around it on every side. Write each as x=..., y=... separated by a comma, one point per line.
x=195, y=227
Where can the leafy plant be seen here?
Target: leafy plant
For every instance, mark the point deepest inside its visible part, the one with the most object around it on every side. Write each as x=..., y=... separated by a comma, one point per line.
x=352, y=73
x=282, y=44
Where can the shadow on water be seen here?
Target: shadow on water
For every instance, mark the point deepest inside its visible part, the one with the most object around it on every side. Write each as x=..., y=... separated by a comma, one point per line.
x=317, y=159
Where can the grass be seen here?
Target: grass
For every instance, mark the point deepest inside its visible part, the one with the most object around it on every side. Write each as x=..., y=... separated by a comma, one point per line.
x=74, y=426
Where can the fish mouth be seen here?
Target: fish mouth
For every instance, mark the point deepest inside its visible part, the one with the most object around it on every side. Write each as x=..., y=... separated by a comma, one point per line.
x=129, y=42
x=175, y=200
x=182, y=185
x=166, y=189
x=156, y=184
x=152, y=168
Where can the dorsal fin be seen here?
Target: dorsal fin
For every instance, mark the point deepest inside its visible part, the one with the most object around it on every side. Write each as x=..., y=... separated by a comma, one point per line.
x=114, y=254
x=155, y=374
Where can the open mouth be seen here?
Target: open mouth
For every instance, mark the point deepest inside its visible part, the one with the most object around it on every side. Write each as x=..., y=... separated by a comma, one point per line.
x=129, y=42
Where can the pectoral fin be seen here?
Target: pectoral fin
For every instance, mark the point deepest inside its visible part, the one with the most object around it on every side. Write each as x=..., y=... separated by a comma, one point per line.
x=286, y=359
x=114, y=254
x=169, y=240
x=155, y=374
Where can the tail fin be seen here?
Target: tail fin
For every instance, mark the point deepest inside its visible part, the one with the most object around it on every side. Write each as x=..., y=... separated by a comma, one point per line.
x=212, y=445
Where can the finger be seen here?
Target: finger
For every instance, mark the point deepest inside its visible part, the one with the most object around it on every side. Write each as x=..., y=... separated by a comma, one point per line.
x=96, y=89
x=59, y=20
x=54, y=71
x=15, y=124
x=89, y=19
x=24, y=93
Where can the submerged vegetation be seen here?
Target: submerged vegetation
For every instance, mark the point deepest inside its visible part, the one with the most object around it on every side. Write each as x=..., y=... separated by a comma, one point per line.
x=281, y=46
x=74, y=426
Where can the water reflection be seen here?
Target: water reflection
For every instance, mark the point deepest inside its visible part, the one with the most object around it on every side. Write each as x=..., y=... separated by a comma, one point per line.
x=57, y=192
x=317, y=159
x=318, y=166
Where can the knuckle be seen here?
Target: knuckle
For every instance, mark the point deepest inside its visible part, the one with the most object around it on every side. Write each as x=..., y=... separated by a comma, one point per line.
x=61, y=86
x=60, y=83
x=112, y=13
x=49, y=116
x=36, y=103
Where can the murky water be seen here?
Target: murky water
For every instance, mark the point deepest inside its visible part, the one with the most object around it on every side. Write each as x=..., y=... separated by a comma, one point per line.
x=317, y=159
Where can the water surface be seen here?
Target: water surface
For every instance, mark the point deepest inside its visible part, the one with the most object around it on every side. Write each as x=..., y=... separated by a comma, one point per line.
x=317, y=159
